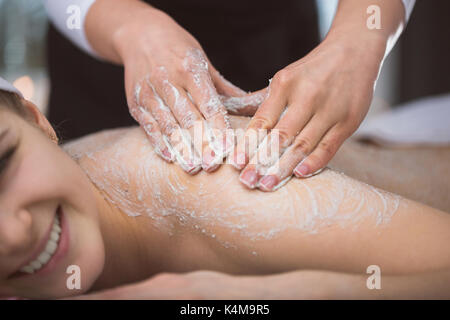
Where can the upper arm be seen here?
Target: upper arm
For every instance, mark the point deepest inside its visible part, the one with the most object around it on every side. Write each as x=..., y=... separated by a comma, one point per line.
x=329, y=221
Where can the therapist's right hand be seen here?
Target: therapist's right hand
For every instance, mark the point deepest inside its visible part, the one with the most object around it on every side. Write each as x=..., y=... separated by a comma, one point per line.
x=171, y=85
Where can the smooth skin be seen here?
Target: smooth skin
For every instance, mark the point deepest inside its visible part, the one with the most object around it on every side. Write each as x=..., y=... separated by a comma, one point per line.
x=327, y=93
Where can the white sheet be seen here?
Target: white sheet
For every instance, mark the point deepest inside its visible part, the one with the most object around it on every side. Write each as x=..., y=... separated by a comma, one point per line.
x=421, y=122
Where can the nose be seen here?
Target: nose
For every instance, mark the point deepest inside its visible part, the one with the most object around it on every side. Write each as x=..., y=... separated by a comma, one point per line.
x=15, y=232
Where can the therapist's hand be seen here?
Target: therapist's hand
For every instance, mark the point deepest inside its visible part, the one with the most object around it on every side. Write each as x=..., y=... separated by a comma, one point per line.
x=171, y=85
x=327, y=94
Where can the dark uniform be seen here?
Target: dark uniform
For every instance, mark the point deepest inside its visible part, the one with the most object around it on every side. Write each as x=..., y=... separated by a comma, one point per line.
x=247, y=41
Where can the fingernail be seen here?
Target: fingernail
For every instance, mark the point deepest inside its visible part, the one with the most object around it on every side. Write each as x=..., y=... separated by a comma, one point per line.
x=301, y=170
x=249, y=178
x=193, y=170
x=209, y=159
x=239, y=160
x=167, y=155
x=268, y=182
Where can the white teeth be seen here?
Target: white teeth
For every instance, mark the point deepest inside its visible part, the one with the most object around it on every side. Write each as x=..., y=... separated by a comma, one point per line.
x=51, y=247
x=54, y=235
x=57, y=228
x=27, y=269
x=49, y=250
x=36, y=264
x=44, y=257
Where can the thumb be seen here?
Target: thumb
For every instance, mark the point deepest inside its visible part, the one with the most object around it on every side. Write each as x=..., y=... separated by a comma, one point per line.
x=236, y=100
x=245, y=105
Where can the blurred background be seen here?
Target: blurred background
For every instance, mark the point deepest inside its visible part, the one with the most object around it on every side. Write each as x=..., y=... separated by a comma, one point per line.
x=418, y=66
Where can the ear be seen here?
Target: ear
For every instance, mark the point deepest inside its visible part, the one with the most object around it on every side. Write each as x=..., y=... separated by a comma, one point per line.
x=40, y=120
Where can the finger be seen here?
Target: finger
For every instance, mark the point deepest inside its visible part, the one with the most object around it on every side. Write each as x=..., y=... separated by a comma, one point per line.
x=201, y=88
x=303, y=145
x=180, y=105
x=244, y=105
x=153, y=132
x=188, y=116
x=236, y=100
x=265, y=119
x=290, y=123
x=178, y=139
x=322, y=154
x=267, y=153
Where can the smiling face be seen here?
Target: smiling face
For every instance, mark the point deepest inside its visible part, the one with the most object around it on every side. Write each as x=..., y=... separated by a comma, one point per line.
x=48, y=213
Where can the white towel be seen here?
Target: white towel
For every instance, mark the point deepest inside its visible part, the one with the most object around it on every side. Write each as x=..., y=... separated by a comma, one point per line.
x=421, y=122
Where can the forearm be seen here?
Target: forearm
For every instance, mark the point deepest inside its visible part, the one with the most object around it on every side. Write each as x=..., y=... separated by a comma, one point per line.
x=333, y=285
x=107, y=18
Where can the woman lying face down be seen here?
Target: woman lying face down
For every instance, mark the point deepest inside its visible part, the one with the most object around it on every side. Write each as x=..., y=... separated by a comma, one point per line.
x=110, y=206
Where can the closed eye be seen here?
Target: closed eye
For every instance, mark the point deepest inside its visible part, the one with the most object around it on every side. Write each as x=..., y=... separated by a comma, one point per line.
x=5, y=159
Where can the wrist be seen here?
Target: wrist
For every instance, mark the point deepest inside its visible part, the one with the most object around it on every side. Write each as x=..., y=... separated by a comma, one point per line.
x=365, y=43
x=127, y=35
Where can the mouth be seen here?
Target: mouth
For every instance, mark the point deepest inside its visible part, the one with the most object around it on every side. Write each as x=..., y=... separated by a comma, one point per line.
x=50, y=252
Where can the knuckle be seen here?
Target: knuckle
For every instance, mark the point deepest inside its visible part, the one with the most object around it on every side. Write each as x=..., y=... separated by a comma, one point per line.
x=261, y=122
x=213, y=107
x=283, y=136
x=303, y=145
x=168, y=127
x=188, y=120
x=282, y=77
x=328, y=147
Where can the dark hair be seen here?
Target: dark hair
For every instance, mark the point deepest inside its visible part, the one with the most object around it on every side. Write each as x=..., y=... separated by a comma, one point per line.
x=12, y=101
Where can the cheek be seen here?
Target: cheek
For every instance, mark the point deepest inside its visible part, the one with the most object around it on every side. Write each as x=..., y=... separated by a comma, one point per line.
x=47, y=174
x=51, y=175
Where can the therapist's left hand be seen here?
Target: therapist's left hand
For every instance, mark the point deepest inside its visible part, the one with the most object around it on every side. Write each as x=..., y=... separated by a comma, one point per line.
x=327, y=94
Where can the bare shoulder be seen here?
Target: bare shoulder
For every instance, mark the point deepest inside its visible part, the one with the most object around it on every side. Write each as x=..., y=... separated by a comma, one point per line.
x=106, y=139
x=96, y=142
